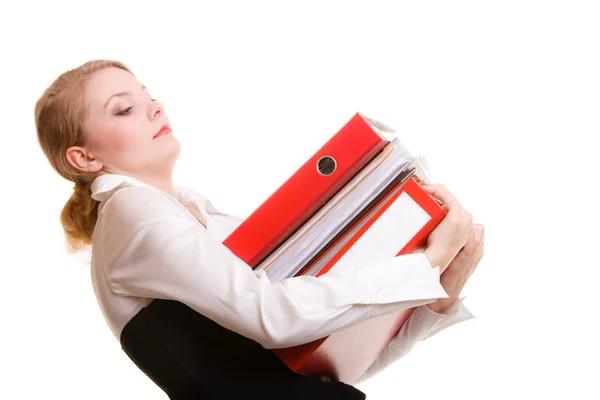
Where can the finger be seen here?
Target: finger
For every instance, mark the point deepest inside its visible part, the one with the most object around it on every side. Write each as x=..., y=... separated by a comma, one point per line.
x=479, y=231
x=469, y=237
x=478, y=240
x=478, y=254
x=441, y=193
x=480, y=228
x=469, y=248
x=473, y=241
x=482, y=237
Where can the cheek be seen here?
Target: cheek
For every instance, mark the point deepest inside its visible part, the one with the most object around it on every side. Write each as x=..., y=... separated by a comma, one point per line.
x=117, y=141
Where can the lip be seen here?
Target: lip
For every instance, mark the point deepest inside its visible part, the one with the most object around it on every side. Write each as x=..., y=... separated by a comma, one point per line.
x=164, y=130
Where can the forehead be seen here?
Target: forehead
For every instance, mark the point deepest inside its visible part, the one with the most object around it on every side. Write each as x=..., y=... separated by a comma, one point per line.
x=104, y=83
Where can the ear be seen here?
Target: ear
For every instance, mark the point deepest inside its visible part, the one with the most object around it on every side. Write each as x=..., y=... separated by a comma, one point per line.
x=80, y=158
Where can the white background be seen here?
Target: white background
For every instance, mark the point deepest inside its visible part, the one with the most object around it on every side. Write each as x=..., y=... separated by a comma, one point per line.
x=501, y=97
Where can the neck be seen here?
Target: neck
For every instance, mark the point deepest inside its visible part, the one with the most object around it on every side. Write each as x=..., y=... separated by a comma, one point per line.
x=166, y=186
x=164, y=183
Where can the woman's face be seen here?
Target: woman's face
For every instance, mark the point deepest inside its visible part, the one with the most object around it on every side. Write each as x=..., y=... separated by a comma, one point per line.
x=122, y=122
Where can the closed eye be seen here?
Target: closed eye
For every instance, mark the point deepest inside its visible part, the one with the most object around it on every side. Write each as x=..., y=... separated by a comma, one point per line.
x=124, y=112
x=128, y=110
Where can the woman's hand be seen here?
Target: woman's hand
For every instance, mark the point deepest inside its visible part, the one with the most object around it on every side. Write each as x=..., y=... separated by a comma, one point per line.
x=460, y=270
x=451, y=235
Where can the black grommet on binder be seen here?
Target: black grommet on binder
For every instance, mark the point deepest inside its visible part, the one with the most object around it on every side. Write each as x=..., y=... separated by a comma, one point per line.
x=326, y=165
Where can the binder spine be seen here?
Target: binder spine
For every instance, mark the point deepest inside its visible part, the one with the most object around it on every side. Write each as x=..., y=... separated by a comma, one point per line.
x=306, y=191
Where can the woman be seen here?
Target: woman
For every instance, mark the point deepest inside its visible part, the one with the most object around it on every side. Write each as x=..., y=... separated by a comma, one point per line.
x=195, y=318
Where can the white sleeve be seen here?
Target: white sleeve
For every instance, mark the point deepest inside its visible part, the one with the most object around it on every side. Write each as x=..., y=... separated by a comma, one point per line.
x=422, y=324
x=151, y=249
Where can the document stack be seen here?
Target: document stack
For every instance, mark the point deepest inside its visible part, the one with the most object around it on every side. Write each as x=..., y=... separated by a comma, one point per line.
x=356, y=202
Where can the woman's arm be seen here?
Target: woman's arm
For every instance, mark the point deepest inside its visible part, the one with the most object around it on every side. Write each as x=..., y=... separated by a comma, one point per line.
x=427, y=320
x=151, y=249
x=422, y=324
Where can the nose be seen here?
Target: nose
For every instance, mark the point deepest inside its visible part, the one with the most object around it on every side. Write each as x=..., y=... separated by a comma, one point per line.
x=155, y=110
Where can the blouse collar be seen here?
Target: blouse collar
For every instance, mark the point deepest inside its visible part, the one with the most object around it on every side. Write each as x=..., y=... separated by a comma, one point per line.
x=103, y=187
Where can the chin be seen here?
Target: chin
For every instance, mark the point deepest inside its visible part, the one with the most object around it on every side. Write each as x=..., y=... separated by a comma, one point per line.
x=166, y=157
x=170, y=147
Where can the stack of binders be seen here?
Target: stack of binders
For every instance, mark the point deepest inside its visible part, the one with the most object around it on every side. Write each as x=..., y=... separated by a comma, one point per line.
x=357, y=201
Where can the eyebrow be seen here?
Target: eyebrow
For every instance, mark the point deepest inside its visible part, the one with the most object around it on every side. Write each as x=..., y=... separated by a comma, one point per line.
x=121, y=94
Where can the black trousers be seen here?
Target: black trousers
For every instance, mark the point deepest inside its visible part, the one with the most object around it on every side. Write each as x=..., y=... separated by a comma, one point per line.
x=190, y=356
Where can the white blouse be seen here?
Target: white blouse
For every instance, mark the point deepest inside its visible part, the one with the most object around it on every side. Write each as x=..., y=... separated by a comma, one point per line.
x=149, y=245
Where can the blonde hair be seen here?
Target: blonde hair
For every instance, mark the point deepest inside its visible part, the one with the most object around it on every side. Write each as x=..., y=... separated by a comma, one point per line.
x=59, y=116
